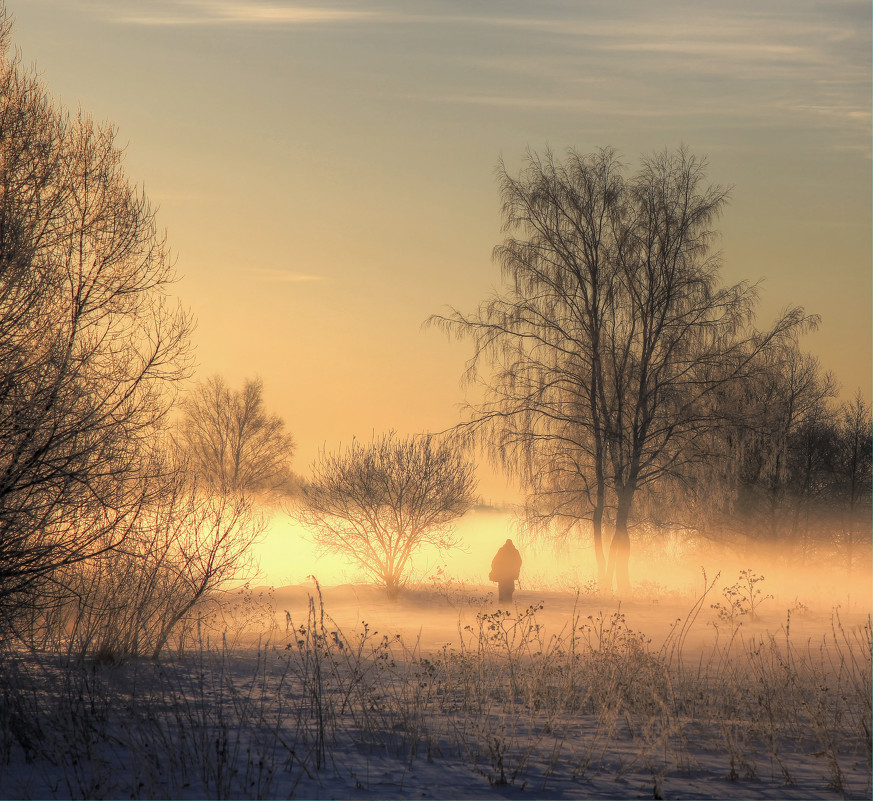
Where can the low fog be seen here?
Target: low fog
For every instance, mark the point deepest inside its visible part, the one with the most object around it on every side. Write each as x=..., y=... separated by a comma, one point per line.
x=669, y=574
x=663, y=568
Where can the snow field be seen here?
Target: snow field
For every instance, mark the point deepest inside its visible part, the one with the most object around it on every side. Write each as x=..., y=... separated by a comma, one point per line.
x=523, y=702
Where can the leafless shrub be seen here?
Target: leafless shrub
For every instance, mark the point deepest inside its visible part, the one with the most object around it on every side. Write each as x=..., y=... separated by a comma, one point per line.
x=379, y=503
x=183, y=549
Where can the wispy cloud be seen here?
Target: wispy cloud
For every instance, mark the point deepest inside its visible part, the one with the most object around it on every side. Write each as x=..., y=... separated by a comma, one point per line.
x=595, y=105
x=573, y=105
x=628, y=60
x=215, y=12
x=755, y=68
x=840, y=114
x=281, y=276
x=712, y=48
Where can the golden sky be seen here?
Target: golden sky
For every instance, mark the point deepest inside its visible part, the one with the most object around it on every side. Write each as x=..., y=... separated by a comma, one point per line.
x=325, y=172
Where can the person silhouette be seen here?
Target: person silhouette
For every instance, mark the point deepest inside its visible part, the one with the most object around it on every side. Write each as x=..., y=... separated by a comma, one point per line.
x=505, y=567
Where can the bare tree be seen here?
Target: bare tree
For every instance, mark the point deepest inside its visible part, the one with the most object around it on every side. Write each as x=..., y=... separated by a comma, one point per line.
x=542, y=337
x=233, y=443
x=677, y=338
x=613, y=339
x=379, y=503
x=90, y=344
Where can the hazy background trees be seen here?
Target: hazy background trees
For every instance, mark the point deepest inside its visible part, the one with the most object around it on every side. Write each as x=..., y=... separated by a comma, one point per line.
x=233, y=443
x=378, y=503
x=609, y=353
x=796, y=476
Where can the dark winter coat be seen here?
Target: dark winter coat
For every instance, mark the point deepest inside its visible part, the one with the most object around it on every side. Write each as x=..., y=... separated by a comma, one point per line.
x=506, y=563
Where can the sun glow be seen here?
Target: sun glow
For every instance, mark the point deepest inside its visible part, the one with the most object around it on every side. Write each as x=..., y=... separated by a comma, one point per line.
x=288, y=556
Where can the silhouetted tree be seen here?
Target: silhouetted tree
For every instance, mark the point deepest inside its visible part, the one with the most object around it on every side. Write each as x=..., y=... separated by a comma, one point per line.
x=90, y=344
x=543, y=338
x=613, y=339
x=233, y=443
x=379, y=503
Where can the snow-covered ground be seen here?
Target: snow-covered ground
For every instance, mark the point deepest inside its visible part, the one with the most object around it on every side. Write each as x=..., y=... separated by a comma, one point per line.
x=336, y=692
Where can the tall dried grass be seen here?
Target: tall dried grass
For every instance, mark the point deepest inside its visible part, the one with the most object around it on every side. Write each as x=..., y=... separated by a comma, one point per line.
x=516, y=703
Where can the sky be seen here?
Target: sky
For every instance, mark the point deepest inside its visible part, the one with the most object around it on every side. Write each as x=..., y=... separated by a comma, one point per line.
x=325, y=172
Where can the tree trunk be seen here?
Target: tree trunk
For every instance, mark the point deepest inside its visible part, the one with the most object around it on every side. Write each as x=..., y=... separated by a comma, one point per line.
x=597, y=531
x=619, y=548
x=392, y=585
x=168, y=627
x=599, y=457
